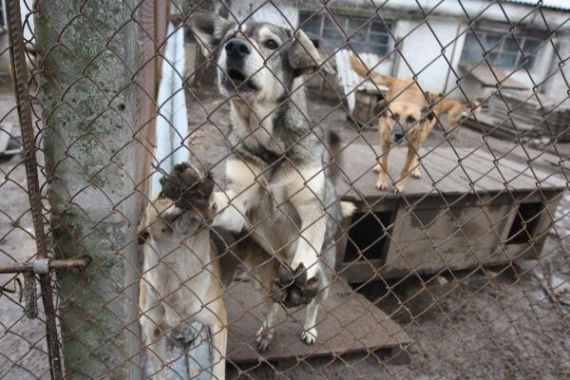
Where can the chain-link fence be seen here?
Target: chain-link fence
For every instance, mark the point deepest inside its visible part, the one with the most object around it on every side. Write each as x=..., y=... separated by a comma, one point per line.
x=284, y=189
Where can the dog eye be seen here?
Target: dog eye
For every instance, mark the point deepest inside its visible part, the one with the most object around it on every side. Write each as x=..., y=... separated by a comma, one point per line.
x=395, y=116
x=271, y=44
x=411, y=119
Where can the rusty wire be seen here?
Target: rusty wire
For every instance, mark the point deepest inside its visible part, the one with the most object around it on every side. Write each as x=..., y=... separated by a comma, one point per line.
x=464, y=274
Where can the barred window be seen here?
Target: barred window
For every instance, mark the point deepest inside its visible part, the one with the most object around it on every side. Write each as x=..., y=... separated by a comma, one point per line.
x=507, y=52
x=365, y=35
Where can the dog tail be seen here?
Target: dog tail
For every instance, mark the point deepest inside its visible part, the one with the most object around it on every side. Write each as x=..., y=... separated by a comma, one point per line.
x=334, y=162
x=334, y=145
x=360, y=69
x=347, y=208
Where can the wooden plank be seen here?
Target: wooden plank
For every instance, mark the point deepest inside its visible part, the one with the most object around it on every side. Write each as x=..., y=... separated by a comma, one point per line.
x=482, y=179
x=516, y=155
x=361, y=159
x=517, y=179
x=347, y=323
x=445, y=170
x=459, y=237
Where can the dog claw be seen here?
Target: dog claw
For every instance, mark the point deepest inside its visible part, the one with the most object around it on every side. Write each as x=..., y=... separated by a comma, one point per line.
x=263, y=337
x=309, y=336
x=381, y=186
x=285, y=275
x=300, y=275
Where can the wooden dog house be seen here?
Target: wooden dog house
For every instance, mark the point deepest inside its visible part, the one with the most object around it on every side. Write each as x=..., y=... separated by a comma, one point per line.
x=469, y=209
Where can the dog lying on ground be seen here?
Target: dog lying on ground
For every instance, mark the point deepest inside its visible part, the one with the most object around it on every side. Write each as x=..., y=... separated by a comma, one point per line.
x=182, y=280
x=406, y=117
x=276, y=184
x=456, y=110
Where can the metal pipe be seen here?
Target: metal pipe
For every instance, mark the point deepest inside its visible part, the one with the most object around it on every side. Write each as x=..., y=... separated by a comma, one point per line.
x=53, y=265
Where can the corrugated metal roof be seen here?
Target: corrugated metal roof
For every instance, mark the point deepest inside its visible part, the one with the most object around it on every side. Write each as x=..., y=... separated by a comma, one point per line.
x=553, y=4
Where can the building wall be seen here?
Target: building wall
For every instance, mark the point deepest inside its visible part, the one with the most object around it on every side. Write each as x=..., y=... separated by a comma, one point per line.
x=427, y=56
x=282, y=13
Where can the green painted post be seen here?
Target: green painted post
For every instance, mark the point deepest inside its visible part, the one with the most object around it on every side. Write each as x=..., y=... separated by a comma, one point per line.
x=88, y=53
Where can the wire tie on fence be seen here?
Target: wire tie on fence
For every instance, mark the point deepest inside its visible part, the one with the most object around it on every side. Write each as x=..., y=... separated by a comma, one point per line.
x=41, y=266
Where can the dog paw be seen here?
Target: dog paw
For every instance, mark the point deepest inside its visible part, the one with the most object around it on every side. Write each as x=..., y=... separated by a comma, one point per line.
x=263, y=337
x=292, y=288
x=399, y=188
x=309, y=336
x=381, y=185
x=416, y=173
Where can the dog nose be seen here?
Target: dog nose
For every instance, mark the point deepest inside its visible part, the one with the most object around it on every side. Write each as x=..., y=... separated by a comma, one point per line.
x=398, y=136
x=237, y=48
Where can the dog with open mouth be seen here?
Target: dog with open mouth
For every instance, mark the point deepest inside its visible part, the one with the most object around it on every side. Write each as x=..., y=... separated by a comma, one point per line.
x=277, y=185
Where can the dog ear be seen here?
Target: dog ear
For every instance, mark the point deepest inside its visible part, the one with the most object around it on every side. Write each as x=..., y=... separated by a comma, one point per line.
x=381, y=107
x=208, y=29
x=303, y=55
x=427, y=113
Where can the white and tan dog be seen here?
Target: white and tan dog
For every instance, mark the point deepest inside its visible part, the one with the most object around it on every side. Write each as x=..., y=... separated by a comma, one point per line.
x=278, y=187
x=182, y=281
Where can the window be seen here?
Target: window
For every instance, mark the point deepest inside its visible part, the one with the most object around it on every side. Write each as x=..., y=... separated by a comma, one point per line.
x=502, y=51
x=364, y=35
x=3, y=24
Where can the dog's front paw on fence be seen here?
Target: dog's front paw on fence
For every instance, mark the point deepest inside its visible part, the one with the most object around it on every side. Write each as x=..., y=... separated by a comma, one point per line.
x=292, y=288
x=187, y=187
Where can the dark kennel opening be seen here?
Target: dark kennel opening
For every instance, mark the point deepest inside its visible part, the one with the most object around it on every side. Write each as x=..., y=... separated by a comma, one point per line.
x=525, y=223
x=368, y=235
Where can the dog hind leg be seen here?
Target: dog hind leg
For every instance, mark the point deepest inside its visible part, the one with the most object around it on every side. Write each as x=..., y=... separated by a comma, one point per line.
x=219, y=334
x=382, y=168
x=262, y=269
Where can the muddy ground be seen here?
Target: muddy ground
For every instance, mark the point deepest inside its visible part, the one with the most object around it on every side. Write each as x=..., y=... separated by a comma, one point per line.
x=493, y=323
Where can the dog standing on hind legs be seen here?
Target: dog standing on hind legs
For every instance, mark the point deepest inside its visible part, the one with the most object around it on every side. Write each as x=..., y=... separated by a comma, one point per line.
x=277, y=187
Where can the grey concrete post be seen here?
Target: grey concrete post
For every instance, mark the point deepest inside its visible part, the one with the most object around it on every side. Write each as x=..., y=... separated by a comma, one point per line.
x=88, y=53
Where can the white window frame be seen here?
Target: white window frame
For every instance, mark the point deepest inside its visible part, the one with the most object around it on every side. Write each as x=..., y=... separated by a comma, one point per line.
x=481, y=35
x=343, y=20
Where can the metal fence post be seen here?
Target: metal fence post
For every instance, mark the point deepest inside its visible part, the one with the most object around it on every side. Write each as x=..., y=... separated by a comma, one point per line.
x=88, y=56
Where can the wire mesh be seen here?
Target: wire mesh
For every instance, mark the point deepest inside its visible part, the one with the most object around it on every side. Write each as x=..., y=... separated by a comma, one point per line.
x=284, y=189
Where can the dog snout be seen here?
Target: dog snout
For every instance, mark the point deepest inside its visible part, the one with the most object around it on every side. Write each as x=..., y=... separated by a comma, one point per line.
x=237, y=48
x=398, y=136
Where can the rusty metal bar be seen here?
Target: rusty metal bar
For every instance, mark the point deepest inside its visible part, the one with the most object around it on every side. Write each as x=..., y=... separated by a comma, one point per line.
x=23, y=103
x=53, y=265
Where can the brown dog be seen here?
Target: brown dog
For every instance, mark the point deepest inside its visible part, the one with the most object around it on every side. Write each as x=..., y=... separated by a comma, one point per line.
x=406, y=116
x=456, y=110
